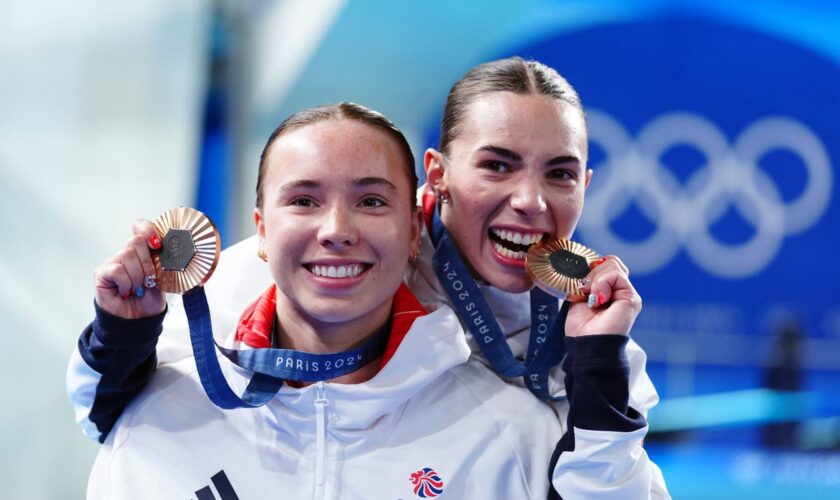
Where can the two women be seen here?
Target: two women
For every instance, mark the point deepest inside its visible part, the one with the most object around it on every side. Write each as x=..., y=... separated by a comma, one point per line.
x=511, y=170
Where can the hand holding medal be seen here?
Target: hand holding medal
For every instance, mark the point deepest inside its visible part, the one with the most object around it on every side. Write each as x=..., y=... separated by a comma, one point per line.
x=176, y=252
x=604, y=300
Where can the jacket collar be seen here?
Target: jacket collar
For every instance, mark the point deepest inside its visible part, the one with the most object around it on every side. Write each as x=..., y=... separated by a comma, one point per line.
x=257, y=322
x=422, y=346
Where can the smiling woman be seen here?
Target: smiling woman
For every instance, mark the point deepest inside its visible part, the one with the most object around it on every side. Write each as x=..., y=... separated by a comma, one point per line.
x=337, y=226
x=514, y=174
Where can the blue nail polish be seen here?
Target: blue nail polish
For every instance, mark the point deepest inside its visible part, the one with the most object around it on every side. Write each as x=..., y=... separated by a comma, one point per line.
x=592, y=300
x=139, y=292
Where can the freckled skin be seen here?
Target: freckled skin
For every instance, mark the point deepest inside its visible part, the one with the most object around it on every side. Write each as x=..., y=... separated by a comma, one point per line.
x=316, y=211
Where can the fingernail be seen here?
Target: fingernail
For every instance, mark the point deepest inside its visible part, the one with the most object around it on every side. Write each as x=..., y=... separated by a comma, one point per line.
x=599, y=262
x=591, y=300
x=584, y=282
x=154, y=241
x=150, y=281
x=602, y=299
x=139, y=292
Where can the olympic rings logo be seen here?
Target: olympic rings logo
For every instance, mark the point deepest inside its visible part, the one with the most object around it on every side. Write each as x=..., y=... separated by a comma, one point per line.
x=684, y=212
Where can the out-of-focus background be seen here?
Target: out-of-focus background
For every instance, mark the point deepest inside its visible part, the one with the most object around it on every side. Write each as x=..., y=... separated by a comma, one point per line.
x=714, y=140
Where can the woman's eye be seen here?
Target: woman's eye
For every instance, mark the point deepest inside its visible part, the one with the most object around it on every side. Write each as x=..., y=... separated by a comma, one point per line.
x=303, y=202
x=561, y=174
x=496, y=166
x=372, y=202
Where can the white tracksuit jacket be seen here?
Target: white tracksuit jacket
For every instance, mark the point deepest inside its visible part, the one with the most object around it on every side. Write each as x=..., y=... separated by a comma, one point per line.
x=427, y=408
x=601, y=457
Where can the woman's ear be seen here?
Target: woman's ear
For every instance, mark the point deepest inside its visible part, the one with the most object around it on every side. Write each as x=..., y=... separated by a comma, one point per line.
x=258, y=221
x=417, y=221
x=435, y=165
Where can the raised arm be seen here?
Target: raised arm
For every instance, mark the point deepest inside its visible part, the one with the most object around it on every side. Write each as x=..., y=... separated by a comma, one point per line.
x=115, y=356
x=601, y=453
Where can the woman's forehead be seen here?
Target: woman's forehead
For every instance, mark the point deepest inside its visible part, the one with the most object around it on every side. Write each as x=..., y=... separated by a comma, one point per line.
x=335, y=148
x=512, y=120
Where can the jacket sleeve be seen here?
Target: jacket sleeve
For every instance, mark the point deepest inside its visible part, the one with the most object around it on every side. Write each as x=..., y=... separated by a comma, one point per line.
x=113, y=360
x=601, y=454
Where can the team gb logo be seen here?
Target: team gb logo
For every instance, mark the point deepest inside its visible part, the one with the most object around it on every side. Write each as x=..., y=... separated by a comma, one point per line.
x=427, y=483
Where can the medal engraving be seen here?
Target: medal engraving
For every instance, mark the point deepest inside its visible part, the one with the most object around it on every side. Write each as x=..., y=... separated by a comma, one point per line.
x=558, y=266
x=569, y=264
x=178, y=250
x=190, y=250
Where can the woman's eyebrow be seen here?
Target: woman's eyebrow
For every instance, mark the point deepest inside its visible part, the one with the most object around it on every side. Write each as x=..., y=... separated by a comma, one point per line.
x=301, y=184
x=514, y=156
x=375, y=181
x=504, y=152
x=559, y=160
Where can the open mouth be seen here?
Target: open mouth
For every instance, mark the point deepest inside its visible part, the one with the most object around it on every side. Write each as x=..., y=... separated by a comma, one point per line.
x=513, y=244
x=337, y=271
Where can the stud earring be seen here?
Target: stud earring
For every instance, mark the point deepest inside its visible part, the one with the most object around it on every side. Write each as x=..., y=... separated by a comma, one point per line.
x=262, y=255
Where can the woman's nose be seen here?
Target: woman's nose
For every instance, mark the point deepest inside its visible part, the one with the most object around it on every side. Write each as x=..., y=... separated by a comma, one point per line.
x=337, y=228
x=528, y=198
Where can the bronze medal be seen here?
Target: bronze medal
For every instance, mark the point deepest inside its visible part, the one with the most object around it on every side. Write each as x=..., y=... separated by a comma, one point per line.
x=190, y=250
x=558, y=266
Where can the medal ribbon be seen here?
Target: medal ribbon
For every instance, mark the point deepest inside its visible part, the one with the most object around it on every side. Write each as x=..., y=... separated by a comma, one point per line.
x=270, y=366
x=545, y=344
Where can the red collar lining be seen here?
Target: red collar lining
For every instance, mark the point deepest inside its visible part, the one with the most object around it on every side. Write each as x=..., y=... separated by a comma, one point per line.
x=257, y=322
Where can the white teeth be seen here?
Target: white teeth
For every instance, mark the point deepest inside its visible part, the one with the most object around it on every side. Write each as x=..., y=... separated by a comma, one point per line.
x=349, y=271
x=509, y=253
x=517, y=237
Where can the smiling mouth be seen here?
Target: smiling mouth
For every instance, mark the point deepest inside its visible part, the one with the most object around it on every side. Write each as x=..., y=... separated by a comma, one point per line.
x=341, y=271
x=513, y=244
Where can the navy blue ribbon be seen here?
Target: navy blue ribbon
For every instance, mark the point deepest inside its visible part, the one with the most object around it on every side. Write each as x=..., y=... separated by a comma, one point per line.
x=270, y=366
x=302, y=366
x=545, y=344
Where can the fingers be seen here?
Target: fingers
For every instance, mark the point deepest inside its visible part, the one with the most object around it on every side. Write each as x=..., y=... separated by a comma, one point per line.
x=146, y=239
x=131, y=270
x=132, y=266
x=140, y=245
x=146, y=230
x=609, y=280
x=112, y=276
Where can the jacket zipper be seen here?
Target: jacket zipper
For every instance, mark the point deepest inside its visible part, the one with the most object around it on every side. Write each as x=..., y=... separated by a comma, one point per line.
x=321, y=403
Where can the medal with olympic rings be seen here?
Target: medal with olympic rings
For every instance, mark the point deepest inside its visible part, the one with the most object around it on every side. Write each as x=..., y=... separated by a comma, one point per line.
x=557, y=266
x=190, y=250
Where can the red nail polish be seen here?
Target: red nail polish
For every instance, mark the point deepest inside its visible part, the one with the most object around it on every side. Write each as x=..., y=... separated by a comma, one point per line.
x=154, y=241
x=601, y=299
x=599, y=262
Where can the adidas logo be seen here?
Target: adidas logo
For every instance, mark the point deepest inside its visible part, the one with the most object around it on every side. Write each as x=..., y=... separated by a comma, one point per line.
x=223, y=488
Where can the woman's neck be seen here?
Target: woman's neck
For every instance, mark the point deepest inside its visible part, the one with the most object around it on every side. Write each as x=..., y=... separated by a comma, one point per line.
x=298, y=332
